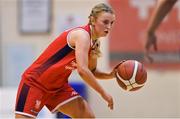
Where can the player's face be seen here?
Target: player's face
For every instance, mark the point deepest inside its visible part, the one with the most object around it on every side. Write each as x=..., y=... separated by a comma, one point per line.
x=103, y=24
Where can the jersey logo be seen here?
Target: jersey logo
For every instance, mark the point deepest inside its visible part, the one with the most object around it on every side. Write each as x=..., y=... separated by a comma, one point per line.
x=74, y=93
x=71, y=66
x=37, y=104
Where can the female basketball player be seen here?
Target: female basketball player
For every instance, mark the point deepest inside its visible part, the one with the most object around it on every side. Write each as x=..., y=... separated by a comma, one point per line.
x=45, y=82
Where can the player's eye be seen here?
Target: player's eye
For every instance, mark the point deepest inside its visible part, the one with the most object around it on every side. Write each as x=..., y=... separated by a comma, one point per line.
x=106, y=22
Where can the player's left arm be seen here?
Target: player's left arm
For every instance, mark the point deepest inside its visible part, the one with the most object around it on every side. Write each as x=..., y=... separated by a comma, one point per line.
x=98, y=74
x=102, y=75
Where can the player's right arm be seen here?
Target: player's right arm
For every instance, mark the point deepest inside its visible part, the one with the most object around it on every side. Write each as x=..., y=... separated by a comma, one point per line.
x=81, y=40
x=161, y=10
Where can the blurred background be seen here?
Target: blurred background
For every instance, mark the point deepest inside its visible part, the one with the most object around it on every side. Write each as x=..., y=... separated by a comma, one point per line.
x=28, y=26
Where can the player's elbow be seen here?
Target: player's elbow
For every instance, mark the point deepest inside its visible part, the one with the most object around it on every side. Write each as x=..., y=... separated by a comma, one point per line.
x=82, y=70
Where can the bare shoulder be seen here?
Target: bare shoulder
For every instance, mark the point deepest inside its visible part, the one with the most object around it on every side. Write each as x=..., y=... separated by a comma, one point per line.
x=79, y=33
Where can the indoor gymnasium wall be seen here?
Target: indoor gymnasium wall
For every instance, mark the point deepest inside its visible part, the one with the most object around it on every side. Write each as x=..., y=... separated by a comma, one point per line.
x=159, y=98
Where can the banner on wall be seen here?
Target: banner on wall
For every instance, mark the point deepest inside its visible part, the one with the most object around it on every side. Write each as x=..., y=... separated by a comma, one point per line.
x=35, y=16
x=127, y=38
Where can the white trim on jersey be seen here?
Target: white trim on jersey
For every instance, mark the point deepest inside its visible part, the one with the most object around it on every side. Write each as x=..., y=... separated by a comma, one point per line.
x=26, y=114
x=68, y=36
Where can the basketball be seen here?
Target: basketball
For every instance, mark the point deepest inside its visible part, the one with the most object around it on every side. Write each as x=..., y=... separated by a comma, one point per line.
x=131, y=75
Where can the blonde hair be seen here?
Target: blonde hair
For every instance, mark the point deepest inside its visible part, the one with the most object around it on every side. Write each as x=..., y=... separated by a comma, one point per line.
x=98, y=9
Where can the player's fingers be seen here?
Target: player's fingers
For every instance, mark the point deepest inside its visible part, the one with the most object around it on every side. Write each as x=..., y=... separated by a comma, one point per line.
x=155, y=46
x=119, y=64
x=148, y=44
x=111, y=106
x=148, y=58
x=154, y=42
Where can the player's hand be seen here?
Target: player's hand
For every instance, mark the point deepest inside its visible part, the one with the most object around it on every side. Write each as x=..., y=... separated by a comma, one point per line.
x=119, y=64
x=115, y=68
x=151, y=42
x=109, y=100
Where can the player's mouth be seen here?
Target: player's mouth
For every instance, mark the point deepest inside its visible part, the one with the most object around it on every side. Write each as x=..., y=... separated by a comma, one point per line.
x=106, y=32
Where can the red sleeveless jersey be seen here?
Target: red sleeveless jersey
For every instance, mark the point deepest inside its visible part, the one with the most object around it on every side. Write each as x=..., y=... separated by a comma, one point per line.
x=51, y=69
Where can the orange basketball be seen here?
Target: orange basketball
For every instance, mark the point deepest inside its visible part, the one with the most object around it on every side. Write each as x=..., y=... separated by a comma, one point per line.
x=131, y=75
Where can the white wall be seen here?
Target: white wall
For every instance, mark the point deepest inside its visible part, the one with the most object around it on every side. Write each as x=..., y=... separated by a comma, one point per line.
x=160, y=97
